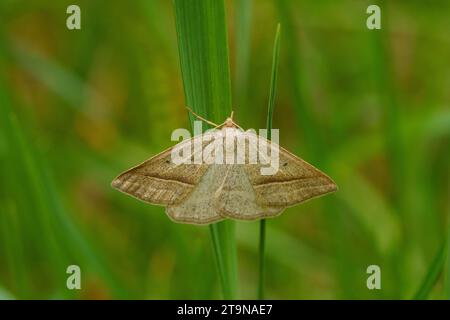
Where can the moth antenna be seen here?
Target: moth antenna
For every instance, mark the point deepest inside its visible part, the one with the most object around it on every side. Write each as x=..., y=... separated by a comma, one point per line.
x=231, y=117
x=201, y=118
x=238, y=126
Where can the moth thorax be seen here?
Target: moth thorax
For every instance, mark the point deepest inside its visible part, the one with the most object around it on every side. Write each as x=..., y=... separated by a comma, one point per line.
x=229, y=123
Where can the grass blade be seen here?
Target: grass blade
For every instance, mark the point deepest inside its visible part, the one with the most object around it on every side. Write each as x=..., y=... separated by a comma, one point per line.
x=5, y=295
x=301, y=100
x=433, y=273
x=273, y=89
x=447, y=268
x=273, y=81
x=203, y=50
x=243, y=9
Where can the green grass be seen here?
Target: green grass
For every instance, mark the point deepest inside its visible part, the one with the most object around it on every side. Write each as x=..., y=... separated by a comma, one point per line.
x=447, y=268
x=368, y=108
x=270, y=108
x=243, y=18
x=36, y=209
x=297, y=77
x=433, y=273
x=203, y=49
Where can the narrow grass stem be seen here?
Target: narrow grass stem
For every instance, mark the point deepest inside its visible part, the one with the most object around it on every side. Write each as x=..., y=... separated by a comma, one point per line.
x=262, y=248
x=273, y=88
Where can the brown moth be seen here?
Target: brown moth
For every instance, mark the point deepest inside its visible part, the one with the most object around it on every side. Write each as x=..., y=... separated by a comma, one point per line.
x=207, y=192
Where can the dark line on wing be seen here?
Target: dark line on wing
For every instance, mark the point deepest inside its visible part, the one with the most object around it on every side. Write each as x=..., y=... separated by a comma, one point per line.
x=286, y=181
x=165, y=179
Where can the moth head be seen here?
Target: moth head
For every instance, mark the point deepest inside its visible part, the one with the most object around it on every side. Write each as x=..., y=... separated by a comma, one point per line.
x=229, y=123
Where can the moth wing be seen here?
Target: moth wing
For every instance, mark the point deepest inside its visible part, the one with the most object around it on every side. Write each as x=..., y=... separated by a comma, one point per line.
x=294, y=182
x=237, y=199
x=198, y=207
x=159, y=180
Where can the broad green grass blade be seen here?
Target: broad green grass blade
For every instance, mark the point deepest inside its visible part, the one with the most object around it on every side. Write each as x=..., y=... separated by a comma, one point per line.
x=243, y=12
x=271, y=106
x=433, y=273
x=203, y=50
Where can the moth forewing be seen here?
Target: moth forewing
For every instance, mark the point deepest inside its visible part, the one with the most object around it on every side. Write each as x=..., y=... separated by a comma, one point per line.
x=198, y=143
x=214, y=152
x=181, y=153
x=198, y=207
x=141, y=184
x=241, y=148
x=230, y=137
x=251, y=139
x=237, y=199
x=268, y=153
x=295, y=182
x=209, y=152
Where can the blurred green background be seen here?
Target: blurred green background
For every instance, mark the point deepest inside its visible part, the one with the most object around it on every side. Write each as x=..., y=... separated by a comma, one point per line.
x=369, y=108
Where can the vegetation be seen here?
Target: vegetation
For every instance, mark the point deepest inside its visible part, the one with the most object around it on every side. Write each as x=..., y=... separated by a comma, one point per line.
x=370, y=108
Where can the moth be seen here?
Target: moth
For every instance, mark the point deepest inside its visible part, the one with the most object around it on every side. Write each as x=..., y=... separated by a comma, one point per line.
x=207, y=192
